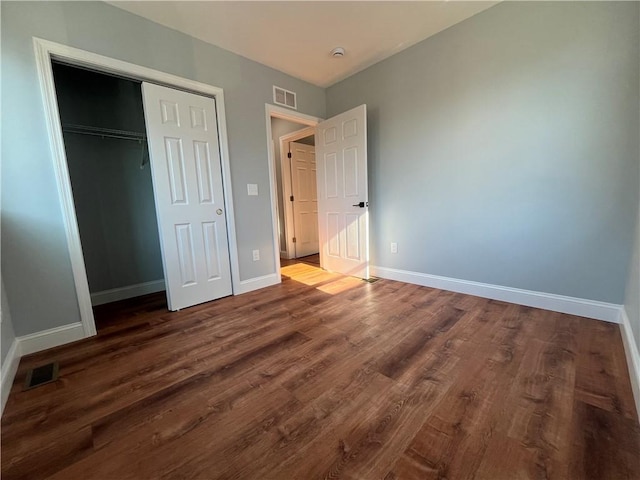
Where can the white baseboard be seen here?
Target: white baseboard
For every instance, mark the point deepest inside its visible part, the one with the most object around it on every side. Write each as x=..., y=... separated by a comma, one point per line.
x=9, y=369
x=35, y=342
x=122, y=293
x=53, y=337
x=256, y=283
x=608, y=312
x=633, y=357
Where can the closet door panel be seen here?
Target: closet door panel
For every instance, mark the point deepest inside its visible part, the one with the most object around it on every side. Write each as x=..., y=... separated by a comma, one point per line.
x=212, y=249
x=187, y=182
x=203, y=171
x=186, y=255
x=176, y=170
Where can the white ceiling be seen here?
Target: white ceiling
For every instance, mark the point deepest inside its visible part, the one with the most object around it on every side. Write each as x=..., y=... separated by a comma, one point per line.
x=296, y=37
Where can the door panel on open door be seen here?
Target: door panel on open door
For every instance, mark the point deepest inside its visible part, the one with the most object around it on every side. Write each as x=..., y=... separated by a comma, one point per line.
x=187, y=183
x=341, y=153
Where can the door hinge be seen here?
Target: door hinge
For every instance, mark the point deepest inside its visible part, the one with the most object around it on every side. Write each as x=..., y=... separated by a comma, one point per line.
x=294, y=239
x=291, y=198
x=289, y=155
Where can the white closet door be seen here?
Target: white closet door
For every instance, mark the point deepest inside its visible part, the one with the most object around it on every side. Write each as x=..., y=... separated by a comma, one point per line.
x=187, y=182
x=343, y=209
x=305, y=198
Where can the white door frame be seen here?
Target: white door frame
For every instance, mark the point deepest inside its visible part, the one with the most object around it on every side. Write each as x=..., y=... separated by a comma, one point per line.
x=47, y=51
x=272, y=111
x=285, y=169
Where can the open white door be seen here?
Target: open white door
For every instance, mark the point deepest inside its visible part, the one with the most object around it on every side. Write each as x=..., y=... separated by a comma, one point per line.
x=182, y=134
x=305, y=198
x=343, y=219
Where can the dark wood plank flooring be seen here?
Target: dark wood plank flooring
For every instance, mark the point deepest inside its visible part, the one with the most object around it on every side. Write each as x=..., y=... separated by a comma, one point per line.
x=313, y=260
x=326, y=376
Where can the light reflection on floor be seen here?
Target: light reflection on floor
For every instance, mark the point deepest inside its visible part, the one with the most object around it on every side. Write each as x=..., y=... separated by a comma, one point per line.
x=327, y=282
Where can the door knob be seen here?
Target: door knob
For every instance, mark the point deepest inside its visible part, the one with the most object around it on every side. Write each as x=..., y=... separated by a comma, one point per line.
x=219, y=211
x=361, y=204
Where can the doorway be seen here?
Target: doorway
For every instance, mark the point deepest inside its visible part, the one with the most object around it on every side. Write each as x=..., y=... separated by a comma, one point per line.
x=150, y=218
x=297, y=191
x=49, y=52
x=284, y=126
x=342, y=188
x=106, y=148
x=301, y=158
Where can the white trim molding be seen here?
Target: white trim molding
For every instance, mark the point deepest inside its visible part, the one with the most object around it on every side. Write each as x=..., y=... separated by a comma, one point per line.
x=257, y=283
x=53, y=337
x=130, y=291
x=608, y=312
x=45, y=52
x=9, y=370
x=632, y=354
x=291, y=115
x=32, y=343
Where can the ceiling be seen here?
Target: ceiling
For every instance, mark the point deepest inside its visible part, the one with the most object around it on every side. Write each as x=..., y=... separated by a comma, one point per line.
x=297, y=37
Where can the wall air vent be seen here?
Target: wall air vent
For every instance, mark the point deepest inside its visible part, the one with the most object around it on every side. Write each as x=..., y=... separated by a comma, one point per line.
x=284, y=97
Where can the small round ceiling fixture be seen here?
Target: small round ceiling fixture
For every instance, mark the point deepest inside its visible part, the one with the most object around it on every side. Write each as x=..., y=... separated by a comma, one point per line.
x=337, y=52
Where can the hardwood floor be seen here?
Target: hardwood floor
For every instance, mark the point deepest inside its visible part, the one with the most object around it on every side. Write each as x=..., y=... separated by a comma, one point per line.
x=313, y=260
x=325, y=376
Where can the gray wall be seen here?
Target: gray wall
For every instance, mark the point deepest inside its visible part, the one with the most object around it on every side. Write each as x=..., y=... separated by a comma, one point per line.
x=502, y=150
x=35, y=261
x=505, y=149
x=7, y=334
x=632, y=297
x=280, y=127
x=112, y=194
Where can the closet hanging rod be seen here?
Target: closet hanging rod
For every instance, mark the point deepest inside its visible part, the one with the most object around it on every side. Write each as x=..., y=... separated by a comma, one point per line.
x=104, y=132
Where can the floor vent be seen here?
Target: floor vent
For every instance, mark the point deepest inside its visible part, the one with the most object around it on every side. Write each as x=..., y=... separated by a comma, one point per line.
x=41, y=375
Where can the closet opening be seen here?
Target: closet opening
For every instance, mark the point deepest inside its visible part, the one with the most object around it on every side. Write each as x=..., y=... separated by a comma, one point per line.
x=187, y=156
x=103, y=124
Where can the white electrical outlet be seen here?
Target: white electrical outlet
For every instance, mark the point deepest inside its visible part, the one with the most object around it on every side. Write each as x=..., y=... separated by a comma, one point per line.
x=256, y=255
x=252, y=189
x=394, y=247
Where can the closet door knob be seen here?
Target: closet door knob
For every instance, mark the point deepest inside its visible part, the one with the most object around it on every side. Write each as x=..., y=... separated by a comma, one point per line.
x=219, y=211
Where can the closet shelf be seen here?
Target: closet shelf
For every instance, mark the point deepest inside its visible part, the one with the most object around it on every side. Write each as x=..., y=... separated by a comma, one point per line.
x=104, y=132
x=110, y=133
